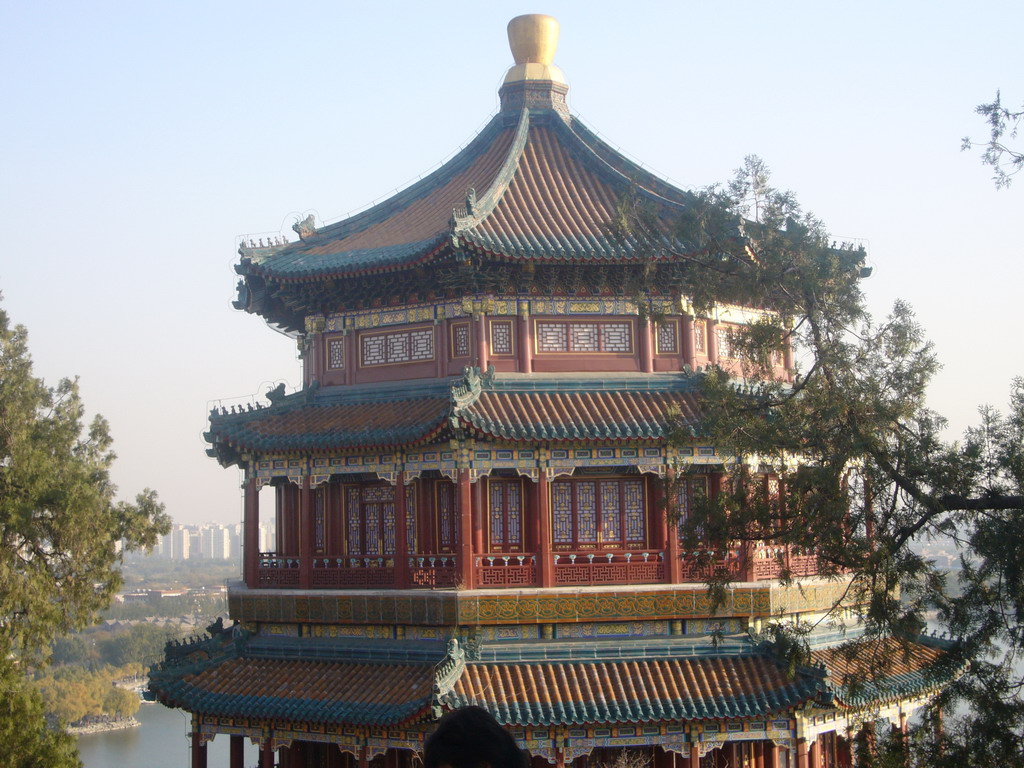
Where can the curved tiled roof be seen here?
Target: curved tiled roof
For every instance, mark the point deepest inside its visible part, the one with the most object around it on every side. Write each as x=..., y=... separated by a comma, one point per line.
x=585, y=415
x=634, y=691
x=331, y=427
x=544, y=187
x=304, y=691
x=557, y=409
x=883, y=670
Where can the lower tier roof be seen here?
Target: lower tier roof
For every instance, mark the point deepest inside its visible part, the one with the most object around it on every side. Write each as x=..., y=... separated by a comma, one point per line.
x=535, y=408
x=227, y=676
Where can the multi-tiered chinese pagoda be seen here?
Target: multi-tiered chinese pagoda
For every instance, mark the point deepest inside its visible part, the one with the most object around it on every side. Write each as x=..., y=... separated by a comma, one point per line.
x=469, y=487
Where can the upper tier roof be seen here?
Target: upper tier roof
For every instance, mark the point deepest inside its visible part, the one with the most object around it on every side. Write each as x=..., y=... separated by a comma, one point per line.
x=534, y=185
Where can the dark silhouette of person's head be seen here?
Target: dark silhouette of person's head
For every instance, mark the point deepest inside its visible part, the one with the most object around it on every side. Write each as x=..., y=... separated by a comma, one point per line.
x=470, y=738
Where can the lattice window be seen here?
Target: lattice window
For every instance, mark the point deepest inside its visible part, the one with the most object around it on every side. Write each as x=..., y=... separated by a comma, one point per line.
x=668, y=338
x=586, y=514
x=561, y=513
x=319, y=503
x=336, y=353
x=605, y=514
x=398, y=347
x=515, y=514
x=355, y=521
x=616, y=337
x=371, y=519
x=446, y=517
x=611, y=513
x=501, y=338
x=375, y=350
x=700, y=337
x=460, y=340
x=552, y=337
x=410, y=519
x=584, y=337
x=506, y=515
x=636, y=519
x=726, y=337
x=421, y=344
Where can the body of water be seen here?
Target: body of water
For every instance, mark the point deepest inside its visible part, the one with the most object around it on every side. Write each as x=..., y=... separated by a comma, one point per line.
x=161, y=741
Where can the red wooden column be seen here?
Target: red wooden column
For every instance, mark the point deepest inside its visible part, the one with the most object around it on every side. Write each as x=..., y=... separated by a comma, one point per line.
x=525, y=341
x=712, y=326
x=441, y=348
x=787, y=354
x=545, y=565
x=401, y=534
x=646, y=345
x=694, y=755
x=481, y=341
x=689, y=351
x=814, y=754
x=673, y=565
x=479, y=515
x=467, y=566
x=198, y=750
x=237, y=755
x=771, y=755
x=267, y=754
x=305, y=535
x=251, y=532
x=801, y=753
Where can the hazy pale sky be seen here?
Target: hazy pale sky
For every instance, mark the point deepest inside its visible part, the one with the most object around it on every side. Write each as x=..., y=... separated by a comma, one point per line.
x=140, y=140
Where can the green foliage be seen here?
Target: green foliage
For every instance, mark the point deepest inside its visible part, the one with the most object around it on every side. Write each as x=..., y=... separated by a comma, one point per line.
x=60, y=525
x=1003, y=124
x=120, y=703
x=28, y=741
x=864, y=466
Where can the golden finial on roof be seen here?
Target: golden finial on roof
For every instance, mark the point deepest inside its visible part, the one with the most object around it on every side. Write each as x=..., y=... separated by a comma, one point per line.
x=533, y=39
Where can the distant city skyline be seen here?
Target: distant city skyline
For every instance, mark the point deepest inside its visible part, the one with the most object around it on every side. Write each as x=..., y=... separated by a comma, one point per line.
x=143, y=140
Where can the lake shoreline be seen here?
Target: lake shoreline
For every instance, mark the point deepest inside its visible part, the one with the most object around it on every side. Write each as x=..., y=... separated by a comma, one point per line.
x=111, y=725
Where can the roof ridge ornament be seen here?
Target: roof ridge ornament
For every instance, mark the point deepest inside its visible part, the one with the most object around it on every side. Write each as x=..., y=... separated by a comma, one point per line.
x=534, y=81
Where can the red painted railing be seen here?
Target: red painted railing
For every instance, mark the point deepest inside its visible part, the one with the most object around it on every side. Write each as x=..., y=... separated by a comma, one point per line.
x=520, y=570
x=433, y=571
x=583, y=568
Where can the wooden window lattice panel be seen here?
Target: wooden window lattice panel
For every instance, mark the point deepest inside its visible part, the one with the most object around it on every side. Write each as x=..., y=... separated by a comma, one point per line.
x=501, y=337
x=460, y=340
x=584, y=337
x=335, y=353
x=668, y=338
x=700, y=337
x=410, y=346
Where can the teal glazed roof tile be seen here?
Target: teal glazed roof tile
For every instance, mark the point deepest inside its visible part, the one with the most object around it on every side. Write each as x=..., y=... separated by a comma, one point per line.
x=530, y=186
x=380, y=416
x=597, y=415
x=302, y=691
x=888, y=670
x=635, y=692
x=326, y=426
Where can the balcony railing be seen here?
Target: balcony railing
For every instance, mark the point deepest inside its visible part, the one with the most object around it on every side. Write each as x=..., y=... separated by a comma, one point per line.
x=440, y=571
x=433, y=571
x=583, y=568
x=516, y=570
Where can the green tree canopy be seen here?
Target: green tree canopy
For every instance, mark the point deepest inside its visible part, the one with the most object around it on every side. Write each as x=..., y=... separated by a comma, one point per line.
x=865, y=466
x=1004, y=123
x=61, y=524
